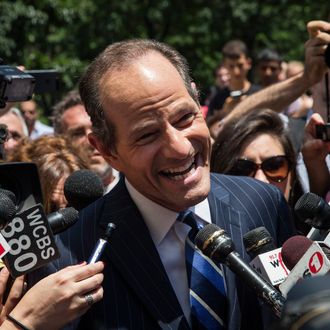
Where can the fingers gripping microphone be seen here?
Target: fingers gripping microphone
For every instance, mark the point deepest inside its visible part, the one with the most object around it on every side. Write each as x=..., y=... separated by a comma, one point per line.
x=215, y=244
x=82, y=188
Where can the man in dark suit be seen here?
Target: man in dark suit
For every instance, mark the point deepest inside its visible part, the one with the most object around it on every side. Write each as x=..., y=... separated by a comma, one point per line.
x=147, y=124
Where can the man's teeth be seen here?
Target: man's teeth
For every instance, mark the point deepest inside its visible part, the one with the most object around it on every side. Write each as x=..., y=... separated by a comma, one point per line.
x=181, y=172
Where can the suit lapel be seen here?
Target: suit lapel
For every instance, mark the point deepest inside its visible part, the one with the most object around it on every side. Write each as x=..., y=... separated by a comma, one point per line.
x=133, y=253
x=234, y=223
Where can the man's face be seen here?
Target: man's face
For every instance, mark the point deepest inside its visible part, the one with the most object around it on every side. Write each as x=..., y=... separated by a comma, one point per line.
x=77, y=125
x=268, y=72
x=222, y=77
x=15, y=130
x=162, y=141
x=29, y=112
x=238, y=68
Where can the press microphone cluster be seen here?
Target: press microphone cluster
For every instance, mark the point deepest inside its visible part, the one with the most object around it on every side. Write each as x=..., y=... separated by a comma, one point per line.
x=27, y=238
x=29, y=235
x=218, y=246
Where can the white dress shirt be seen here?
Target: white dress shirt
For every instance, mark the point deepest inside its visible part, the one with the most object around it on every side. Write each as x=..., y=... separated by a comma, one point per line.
x=169, y=237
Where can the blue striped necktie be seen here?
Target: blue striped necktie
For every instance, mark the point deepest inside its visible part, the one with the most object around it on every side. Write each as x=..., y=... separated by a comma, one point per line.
x=206, y=285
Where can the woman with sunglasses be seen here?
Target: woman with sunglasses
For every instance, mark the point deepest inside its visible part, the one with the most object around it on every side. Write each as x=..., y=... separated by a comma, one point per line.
x=258, y=145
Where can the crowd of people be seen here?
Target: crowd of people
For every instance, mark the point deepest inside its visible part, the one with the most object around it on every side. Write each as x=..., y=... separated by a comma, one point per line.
x=137, y=122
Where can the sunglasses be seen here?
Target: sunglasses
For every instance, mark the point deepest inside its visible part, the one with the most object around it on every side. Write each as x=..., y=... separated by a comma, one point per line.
x=275, y=168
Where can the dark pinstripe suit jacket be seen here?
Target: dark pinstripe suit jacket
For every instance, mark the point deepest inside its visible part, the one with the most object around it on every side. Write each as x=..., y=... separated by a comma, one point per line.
x=137, y=291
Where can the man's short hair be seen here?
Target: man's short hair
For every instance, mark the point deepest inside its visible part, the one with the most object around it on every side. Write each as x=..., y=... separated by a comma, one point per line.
x=234, y=49
x=267, y=55
x=117, y=56
x=70, y=100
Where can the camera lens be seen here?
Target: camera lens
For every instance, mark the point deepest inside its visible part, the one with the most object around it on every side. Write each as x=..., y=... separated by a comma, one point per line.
x=327, y=56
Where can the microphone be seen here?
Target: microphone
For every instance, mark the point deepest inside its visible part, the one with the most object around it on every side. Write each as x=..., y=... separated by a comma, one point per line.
x=218, y=246
x=101, y=244
x=31, y=237
x=82, y=188
x=7, y=207
x=313, y=210
x=293, y=249
x=308, y=259
x=62, y=219
x=266, y=258
x=258, y=241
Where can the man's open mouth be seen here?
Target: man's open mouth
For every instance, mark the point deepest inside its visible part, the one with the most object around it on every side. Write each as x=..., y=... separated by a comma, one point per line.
x=180, y=173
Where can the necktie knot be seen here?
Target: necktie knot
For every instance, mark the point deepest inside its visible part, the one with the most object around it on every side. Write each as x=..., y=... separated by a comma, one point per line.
x=191, y=219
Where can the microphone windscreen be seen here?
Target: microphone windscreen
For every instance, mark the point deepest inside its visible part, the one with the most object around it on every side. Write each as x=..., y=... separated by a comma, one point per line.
x=313, y=210
x=307, y=206
x=293, y=249
x=82, y=188
x=62, y=219
x=7, y=207
x=204, y=235
x=70, y=214
x=258, y=241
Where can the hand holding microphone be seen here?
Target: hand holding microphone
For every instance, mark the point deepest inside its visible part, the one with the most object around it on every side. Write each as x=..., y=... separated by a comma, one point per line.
x=59, y=298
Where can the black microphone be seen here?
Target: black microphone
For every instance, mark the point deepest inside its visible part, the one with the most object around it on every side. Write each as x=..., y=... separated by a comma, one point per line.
x=62, y=219
x=266, y=258
x=218, y=246
x=82, y=188
x=7, y=207
x=313, y=210
x=258, y=241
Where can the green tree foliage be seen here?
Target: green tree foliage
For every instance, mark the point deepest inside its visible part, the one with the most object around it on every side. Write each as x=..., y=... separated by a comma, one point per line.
x=67, y=34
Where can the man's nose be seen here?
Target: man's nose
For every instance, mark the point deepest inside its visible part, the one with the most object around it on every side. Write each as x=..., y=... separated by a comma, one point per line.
x=237, y=71
x=176, y=143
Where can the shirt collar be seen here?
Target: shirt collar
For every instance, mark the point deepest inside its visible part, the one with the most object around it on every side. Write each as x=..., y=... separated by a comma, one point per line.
x=159, y=219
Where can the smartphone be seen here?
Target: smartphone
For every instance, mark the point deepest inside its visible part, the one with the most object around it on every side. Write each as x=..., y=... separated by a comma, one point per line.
x=323, y=132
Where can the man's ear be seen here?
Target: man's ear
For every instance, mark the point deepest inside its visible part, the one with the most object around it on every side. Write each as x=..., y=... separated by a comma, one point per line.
x=108, y=154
